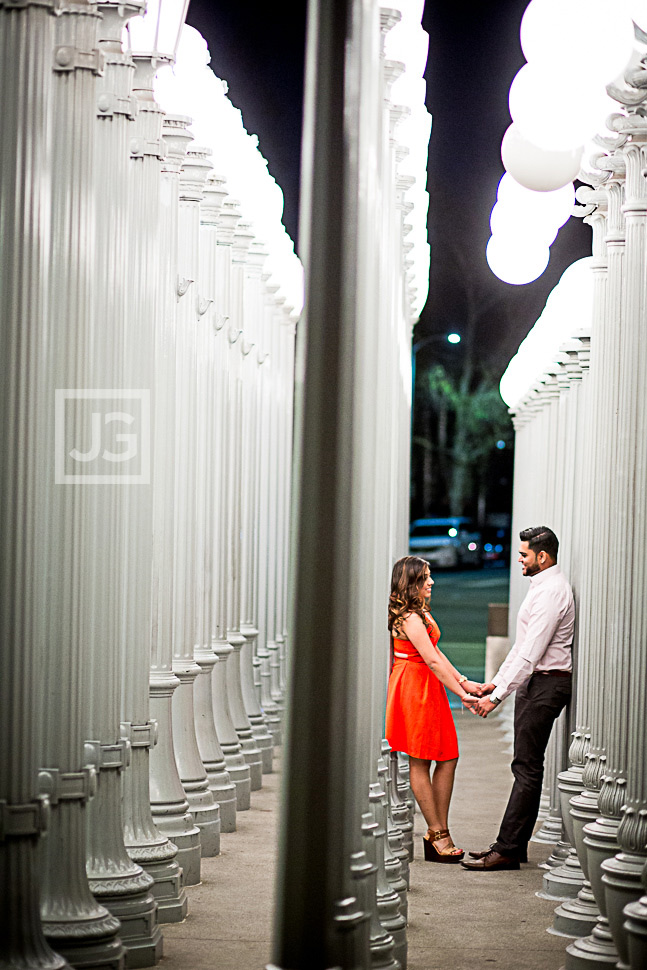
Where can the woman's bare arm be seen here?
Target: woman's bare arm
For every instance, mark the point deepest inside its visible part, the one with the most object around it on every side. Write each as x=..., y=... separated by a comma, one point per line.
x=415, y=630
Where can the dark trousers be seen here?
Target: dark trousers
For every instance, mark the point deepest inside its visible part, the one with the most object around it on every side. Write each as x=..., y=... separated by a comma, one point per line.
x=538, y=704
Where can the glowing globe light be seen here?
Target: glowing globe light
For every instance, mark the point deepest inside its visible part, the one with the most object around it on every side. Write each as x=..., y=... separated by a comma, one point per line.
x=535, y=168
x=638, y=10
x=409, y=90
x=409, y=43
x=454, y=338
x=579, y=39
x=556, y=206
x=156, y=33
x=516, y=264
x=568, y=311
x=547, y=118
x=410, y=9
x=510, y=220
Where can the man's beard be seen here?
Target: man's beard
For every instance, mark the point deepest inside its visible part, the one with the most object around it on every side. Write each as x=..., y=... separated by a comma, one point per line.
x=531, y=570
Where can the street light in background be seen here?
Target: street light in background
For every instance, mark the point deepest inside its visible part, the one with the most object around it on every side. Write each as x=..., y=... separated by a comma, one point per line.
x=450, y=338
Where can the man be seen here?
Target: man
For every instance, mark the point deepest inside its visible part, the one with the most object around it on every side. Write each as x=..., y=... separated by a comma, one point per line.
x=539, y=668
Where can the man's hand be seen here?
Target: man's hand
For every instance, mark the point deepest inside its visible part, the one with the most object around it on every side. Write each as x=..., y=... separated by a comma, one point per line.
x=484, y=689
x=484, y=706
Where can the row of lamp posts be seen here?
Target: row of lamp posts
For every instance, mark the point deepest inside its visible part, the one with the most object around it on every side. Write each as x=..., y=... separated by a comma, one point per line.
x=147, y=403
x=580, y=467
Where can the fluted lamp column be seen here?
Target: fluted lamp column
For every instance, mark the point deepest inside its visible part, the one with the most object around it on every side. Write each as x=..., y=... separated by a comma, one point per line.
x=211, y=345
x=169, y=804
x=595, y=839
x=79, y=925
x=622, y=874
x=192, y=772
x=278, y=477
x=268, y=532
x=255, y=485
x=240, y=373
x=155, y=40
x=579, y=916
x=26, y=43
x=226, y=335
x=116, y=879
x=325, y=884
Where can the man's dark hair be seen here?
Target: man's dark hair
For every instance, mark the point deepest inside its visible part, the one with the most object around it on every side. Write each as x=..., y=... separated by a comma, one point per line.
x=541, y=538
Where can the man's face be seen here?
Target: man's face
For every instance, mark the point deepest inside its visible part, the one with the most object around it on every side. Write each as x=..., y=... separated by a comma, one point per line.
x=528, y=559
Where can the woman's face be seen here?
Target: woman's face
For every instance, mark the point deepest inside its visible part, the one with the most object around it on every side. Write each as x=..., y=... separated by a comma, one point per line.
x=426, y=585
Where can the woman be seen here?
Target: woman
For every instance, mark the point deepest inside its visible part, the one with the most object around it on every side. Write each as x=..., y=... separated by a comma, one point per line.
x=418, y=719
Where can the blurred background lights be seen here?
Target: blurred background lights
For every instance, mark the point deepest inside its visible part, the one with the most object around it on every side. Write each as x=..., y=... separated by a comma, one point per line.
x=454, y=338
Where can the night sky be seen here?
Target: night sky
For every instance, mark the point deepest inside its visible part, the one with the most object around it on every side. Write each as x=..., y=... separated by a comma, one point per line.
x=474, y=53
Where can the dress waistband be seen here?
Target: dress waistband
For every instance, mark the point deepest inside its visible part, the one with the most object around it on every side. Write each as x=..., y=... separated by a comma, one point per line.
x=413, y=658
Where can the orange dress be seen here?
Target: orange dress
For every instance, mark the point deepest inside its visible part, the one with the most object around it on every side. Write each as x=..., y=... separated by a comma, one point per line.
x=418, y=717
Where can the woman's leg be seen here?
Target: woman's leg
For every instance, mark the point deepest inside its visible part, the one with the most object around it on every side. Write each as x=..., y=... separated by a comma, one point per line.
x=442, y=786
x=433, y=797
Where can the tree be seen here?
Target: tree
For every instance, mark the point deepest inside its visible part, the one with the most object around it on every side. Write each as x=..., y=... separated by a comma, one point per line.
x=459, y=414
x=470, y=420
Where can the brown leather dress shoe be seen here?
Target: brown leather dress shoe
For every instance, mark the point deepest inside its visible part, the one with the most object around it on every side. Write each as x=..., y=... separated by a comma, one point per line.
x=484, y=852
x=492, y=861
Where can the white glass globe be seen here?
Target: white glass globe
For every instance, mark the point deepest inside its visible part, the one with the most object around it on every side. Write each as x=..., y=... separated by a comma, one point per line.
x=409, y=90
x=537, y=169
x=515, y=223
x=556, y=206
x=514, y=263
x=590, y=39
x=638, y=10
x=554, y=116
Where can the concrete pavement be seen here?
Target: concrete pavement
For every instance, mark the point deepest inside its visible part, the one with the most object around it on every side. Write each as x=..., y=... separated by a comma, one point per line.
x=458, y=920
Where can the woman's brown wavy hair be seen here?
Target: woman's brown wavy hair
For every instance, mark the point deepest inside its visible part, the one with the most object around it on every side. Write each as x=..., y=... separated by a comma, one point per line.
x=406, y=581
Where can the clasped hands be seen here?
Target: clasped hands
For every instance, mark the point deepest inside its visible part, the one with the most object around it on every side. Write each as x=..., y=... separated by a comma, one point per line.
x=478, y=702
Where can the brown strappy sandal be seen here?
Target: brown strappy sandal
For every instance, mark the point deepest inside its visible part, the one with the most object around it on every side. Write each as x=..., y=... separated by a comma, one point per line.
x=446, y=855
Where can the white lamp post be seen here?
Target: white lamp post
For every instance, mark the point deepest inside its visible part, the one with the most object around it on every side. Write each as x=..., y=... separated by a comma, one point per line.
x=169, y=804
x=213, y=526
x=81, y=926
x=26, y=89
x=185, y=661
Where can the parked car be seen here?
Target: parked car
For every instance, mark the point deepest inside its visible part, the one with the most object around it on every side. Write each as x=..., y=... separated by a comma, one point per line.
x=446, y=542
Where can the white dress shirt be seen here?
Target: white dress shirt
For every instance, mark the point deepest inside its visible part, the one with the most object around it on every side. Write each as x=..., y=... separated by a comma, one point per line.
x=544, y=632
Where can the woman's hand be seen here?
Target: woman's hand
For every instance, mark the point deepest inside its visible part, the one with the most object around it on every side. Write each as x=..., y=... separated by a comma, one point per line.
x=472, y=687
x=470, y=702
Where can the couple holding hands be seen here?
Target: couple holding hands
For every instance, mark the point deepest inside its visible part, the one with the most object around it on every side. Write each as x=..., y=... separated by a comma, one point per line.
x=418, y=718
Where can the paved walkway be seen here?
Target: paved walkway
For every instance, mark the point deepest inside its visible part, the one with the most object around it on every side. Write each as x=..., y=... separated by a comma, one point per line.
x=458, y=920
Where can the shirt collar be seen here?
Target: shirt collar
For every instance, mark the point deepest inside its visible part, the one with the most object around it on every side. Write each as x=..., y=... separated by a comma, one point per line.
x=542, y=576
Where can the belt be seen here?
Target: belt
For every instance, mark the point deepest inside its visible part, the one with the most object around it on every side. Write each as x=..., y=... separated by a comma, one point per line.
x=555, y=673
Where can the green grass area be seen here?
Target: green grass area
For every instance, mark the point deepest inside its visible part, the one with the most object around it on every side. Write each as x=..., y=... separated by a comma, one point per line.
x=469, y=658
